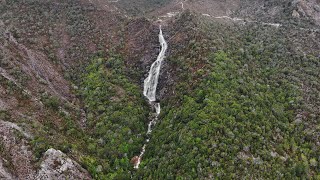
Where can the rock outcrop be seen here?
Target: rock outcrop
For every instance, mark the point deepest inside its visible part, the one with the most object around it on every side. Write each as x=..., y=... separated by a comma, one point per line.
x=17, y=161
x=15, y=152
x=4, y=172
x=308, y=9
x=56, y=165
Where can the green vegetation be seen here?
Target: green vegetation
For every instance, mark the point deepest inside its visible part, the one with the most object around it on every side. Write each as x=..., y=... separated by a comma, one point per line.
x=238, y=101
x=238, y=110
x=117, y=116
x=229, y=126
x=50, y=101
x=4, y=114
x=40, y=146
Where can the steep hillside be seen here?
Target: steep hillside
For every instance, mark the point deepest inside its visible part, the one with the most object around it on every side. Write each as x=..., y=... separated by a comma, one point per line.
x=243, y=103
x=239, y=89
x=45, y=47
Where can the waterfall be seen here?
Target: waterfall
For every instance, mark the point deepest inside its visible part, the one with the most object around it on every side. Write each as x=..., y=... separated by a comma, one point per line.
x=151, y=82
x=149, y=90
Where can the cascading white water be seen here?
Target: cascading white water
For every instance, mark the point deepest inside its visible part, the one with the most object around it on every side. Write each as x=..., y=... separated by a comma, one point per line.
x=151, y=82
x=149, y=90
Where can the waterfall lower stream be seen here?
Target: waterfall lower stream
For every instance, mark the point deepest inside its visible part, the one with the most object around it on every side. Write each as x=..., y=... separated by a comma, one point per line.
x=150, y=87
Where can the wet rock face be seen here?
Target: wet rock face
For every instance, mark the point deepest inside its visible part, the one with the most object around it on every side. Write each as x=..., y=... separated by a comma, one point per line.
x=142, y=44
x=56, y=165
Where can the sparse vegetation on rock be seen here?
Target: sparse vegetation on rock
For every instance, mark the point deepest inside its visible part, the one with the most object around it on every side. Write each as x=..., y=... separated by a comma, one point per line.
x=239, y=98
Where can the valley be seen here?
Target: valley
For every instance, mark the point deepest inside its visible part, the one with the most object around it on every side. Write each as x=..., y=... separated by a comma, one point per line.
x=81, y=83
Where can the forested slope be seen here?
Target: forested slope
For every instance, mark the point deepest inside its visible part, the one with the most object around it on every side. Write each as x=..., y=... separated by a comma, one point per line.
x=239, y=98
x=245, y=104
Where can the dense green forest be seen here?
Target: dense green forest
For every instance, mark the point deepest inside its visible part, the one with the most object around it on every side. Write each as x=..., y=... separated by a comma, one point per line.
x=117, y=118
x=239, y=110
x=239, y=100
x=235, y=123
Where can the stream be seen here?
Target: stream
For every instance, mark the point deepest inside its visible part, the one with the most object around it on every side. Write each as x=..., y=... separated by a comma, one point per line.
x=149, y=91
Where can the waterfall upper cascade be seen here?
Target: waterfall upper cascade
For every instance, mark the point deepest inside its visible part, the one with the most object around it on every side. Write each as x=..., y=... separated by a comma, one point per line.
x=151, y=82
x=149, y=90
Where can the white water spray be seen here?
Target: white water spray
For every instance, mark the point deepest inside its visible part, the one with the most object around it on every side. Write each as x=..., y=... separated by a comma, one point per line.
x=151, y=82
x=149, y=90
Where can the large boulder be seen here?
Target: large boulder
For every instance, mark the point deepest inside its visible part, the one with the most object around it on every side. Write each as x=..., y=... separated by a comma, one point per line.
x=56, y=165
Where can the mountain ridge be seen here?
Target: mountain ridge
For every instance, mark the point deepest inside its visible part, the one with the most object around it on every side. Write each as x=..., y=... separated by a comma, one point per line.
x=72, y=77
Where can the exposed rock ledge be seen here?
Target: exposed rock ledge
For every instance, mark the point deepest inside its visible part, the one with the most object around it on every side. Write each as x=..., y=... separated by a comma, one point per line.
x=4, y=172
x=16, y=158
x=56, y=165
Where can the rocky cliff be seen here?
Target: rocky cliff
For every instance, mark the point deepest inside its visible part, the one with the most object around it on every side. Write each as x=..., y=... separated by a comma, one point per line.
x=239, y=89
